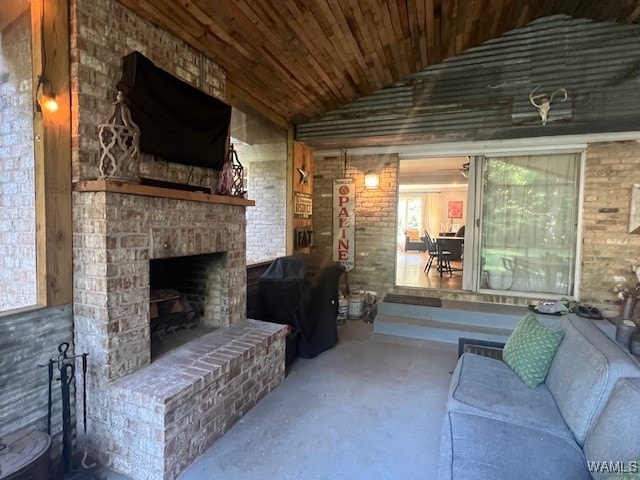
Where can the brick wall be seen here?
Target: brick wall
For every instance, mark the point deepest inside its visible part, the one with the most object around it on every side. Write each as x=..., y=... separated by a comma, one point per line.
x=26, y=340
x=17, y=184
x=376, y=217
x=611, y=171
x=267, y=221
x=103, y=31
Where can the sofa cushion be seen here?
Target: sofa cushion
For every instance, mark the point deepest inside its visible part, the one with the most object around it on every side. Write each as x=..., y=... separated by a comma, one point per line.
x=632, y=474
x=530, y=349
x=615, y=436
x=413, y=234
x=584, y=370
x=477, y=447
x=485, y=386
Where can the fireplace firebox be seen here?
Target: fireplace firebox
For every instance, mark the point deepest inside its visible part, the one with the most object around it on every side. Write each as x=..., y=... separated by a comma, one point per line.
x=184, y=299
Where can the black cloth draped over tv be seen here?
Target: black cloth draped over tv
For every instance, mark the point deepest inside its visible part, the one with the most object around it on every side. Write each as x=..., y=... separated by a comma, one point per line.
x=177, y=122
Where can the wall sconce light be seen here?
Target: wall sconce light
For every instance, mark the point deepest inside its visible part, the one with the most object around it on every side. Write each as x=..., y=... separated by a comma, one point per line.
x=45, y=97
x=371, y=180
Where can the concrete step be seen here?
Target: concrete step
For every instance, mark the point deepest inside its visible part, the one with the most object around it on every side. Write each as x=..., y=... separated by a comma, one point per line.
x=425, y=329
x=452, y=311
x=457, y=319
x=453, y=320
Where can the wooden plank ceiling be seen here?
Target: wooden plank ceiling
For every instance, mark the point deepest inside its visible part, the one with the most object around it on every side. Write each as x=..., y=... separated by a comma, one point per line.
x=303, y=58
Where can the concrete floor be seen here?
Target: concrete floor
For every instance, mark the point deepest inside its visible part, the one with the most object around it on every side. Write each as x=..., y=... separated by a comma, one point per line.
x=370, y=408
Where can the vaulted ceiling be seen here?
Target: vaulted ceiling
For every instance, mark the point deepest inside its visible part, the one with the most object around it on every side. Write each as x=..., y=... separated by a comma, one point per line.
x=303, y=58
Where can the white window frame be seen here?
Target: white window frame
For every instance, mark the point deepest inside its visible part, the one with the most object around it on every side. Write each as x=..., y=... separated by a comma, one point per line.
x=507, y=148
x=471, y=276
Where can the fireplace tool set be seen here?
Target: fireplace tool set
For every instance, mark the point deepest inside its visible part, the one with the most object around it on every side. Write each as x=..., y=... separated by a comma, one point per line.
x=66, y=366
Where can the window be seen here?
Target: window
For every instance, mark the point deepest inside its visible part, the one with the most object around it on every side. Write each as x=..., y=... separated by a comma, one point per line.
x=409, y=214
x=262, y=150
x=529, y=215
x=18, y=274
x=35, y=216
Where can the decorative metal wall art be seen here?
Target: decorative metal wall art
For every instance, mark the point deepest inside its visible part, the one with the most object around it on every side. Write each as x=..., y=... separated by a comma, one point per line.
x=119, y=144
x=231, y=180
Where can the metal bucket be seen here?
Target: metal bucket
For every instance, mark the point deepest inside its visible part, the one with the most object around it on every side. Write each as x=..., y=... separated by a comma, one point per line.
x=356, y=305
x=343, y=309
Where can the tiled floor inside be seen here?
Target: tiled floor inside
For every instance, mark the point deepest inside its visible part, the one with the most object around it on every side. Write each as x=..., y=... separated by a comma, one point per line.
x=410, y=272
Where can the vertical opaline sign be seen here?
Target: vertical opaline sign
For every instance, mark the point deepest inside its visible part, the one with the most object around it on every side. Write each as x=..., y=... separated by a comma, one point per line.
x=344, y=219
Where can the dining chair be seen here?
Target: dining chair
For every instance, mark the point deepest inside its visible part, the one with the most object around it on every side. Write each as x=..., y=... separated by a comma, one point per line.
x=442, y=256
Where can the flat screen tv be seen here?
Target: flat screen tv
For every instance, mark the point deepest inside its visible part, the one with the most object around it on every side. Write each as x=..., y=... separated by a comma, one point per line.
x=177, y=121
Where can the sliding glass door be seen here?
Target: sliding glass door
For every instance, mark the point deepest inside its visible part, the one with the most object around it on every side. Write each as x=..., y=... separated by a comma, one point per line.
x=527, y=216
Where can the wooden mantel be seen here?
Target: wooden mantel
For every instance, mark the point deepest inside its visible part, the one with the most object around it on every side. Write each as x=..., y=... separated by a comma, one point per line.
x=149, y=191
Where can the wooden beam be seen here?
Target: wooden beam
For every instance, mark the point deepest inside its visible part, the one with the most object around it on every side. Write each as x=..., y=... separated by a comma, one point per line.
x=634, y=15
x=290, y=195
x=52, y=133
x=149, y=191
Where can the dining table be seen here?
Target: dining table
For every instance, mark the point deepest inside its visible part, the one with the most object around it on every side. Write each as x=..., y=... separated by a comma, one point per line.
x=441, y=242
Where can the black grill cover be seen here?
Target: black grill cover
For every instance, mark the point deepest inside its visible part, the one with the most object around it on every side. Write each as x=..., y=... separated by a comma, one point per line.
x=301, y=290
x=177, y=122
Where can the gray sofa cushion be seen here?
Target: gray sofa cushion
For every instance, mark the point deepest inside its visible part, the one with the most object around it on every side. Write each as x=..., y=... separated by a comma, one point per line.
x=615, y=437
x=583, y=372
x=475, y=447
x=489, y=387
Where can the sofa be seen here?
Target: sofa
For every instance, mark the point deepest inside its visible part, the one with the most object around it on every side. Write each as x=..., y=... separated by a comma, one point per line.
x=582, y=422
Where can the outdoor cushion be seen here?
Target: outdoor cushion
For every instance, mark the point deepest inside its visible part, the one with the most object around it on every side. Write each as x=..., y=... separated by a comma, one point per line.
x=486, y=386
x=584, y=370
x=530, y=349
x=615, y=437
x=475, y=447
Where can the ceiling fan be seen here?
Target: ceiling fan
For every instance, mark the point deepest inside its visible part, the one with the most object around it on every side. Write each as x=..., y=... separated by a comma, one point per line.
x=464, y=170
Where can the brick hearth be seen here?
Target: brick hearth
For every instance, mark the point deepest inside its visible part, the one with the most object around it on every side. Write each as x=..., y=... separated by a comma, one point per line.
x=138, y=418
x=169, y=412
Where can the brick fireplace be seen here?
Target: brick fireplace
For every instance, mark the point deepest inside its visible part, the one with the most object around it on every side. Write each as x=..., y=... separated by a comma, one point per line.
x=151, y=419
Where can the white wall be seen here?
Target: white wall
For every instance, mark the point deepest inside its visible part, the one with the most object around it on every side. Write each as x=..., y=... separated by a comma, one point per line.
x=448, y=196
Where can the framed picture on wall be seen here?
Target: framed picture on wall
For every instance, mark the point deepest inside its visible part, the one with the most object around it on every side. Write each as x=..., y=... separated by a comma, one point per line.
x=455, y=209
